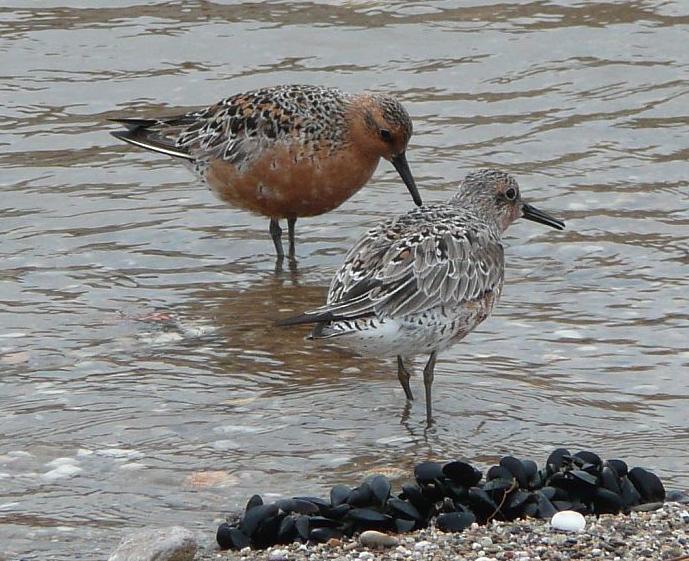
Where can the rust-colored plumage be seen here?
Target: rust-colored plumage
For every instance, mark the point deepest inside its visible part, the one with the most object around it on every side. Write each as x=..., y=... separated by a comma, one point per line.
x=284, y=152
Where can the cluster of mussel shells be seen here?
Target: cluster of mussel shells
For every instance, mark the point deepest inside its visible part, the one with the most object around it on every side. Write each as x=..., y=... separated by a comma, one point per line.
x=455, y=494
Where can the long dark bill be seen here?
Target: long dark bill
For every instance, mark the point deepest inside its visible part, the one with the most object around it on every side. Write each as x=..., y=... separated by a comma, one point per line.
x=402, y=167
x=532, y=213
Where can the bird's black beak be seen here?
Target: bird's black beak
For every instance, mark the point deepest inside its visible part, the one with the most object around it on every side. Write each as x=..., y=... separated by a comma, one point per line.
x=402, y=167
x=532, y=213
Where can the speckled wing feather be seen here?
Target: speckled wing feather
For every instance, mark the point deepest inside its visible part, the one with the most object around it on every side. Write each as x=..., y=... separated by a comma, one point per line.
x=239, y=128
x=427, y=258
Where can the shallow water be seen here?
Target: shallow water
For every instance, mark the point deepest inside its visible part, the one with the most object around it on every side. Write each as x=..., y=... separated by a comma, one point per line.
x=137, y=344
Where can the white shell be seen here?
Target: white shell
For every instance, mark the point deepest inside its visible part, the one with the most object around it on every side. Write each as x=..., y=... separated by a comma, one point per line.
x=568, y=521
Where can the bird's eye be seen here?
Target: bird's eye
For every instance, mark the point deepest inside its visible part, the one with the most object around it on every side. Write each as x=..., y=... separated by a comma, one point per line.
x=511, y=194
x=386, y=135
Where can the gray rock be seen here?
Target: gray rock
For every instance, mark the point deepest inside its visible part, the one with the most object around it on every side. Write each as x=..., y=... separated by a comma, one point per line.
x=158, y=544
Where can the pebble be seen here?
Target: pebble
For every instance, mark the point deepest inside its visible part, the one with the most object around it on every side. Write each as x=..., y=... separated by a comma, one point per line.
x=277, y=555
x=616, y=537
x=157, y=544
x=568, y=521
x=485, y=542
x=373, y=539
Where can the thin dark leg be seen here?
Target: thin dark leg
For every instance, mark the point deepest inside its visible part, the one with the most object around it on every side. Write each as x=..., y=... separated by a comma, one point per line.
x=428, y=382
x=290, y=228
x=276, y=234
x=403, y=374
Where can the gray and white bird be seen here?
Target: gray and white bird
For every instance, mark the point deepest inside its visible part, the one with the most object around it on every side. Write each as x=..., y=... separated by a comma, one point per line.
x=421, y=281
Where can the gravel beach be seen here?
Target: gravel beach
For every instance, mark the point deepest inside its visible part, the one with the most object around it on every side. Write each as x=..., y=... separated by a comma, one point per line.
x=661, y=534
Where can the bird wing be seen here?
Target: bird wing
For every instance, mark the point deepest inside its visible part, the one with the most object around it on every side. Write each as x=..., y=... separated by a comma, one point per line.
x=422, y=260
x=237, y=129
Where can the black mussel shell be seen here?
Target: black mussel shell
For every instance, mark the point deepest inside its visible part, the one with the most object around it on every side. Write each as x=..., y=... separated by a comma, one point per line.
x=593, y=469
x=498, y=488
x=498, y=472
x=516, y=468
x=576, y=483
x=455, y=490
x=516, y=503
x=322, y=522
x=609, y=480
x=380, y=487
x=562, y=505
x=320, y=503
x=256, y=516
x=229, y=537
x=222, y=536
x=299, y=506
x=254, y=501
x=606, y=502
x=303, y=525
x=546, y=510
x=434, y=492
x=630, y=496
x=530, y=510
x=404, y=509
x=266, y=533
x=454, y=521
x=361, y=496
x=551, y=493
x=619, y=466
x=530, y=468
x=462, y=473
x=589, y=458
x=322, y=534
x=581, y=508
x=414, y=495
x=368, y=518
x=339, y=494
x=481, y=504
x=287, y=532
x=403, y=525
x=426, y=472
x=648, y=484
x=337, y=512
x=557, y=459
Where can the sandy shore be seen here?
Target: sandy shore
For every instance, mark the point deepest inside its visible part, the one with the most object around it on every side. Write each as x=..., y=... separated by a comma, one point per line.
x=662, y=534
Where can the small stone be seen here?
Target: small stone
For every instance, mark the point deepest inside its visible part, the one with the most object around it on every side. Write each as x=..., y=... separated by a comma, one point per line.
x=366, y=556
x=485, y=541
x=568, y=521
x=334, y=542
x=420, y=546
x=373, y=539
x=158, y=544
x=277, y=555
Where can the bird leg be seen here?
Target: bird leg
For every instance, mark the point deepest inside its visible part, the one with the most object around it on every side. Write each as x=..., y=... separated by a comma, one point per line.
x=403, y=374
x=276, y=234
x=428, y=382
x=290, y=228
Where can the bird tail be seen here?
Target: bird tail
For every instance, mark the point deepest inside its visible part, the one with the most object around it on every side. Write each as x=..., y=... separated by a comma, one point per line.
x=153, y=134
x=327, y=323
